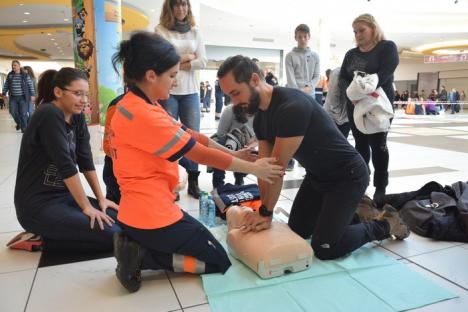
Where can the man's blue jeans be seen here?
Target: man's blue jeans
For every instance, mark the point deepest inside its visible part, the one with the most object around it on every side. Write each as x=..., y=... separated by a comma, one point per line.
x=19, y=110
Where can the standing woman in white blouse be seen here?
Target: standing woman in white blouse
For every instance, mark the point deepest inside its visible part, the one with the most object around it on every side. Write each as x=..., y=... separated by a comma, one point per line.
x=177, y=25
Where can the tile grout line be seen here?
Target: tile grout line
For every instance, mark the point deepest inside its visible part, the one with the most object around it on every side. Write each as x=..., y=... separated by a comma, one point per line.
x=30, y=291
x=173, y=289
x=437, y=274
x=424, y=253
x=15, y=271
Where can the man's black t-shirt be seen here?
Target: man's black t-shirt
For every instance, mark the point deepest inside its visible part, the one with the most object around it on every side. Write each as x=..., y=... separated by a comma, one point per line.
x=50, y=151
x=324, y=151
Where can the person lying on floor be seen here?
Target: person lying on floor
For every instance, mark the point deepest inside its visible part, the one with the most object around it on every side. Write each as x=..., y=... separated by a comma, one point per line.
x=49, y=198
x=289, y=123
x=146, y=143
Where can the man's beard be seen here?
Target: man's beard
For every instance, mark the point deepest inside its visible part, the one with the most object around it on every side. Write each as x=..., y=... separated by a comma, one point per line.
x=254, y=102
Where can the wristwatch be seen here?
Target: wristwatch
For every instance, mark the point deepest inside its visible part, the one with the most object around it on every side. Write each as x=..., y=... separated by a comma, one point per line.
x=263, y=211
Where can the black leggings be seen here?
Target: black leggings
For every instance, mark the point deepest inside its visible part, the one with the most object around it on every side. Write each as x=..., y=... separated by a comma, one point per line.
x=376, y=142
x=326, y=210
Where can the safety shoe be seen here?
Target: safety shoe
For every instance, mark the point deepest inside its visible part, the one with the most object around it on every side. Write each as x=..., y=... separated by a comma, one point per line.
x=366, y=209
x=398, y=228
x=129, y=255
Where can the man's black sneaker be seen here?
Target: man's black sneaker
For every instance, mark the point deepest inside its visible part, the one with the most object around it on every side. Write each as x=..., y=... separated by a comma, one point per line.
x=129, y=255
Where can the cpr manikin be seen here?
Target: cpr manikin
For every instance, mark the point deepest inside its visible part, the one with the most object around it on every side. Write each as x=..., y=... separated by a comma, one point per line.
x=269, y=253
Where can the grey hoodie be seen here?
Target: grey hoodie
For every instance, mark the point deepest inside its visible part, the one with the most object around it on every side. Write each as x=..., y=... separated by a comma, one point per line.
x=302, y=68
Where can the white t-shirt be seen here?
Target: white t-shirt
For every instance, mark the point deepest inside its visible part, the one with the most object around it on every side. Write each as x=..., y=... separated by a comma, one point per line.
x=189, y=42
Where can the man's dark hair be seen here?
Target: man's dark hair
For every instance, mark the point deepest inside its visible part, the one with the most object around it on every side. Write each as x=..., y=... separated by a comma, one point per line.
x=242, y=68
x=302, y=28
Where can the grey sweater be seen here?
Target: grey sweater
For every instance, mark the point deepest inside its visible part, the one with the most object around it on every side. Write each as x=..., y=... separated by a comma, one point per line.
x=302, y=68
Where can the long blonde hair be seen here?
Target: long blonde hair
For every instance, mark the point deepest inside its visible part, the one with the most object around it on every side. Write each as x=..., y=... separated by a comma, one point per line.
x=370, y=21
x=167, y=19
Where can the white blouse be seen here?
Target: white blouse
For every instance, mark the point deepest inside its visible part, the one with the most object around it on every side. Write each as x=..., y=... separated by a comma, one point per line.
x=189, y=42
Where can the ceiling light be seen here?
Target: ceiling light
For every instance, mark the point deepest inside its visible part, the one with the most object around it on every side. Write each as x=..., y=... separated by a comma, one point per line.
x=26, y=13
x=53, y=39
x=152, y=10
x=25, y=21
x=443, y=44
x=49, y=34
x=21, y=4
x=65, y=19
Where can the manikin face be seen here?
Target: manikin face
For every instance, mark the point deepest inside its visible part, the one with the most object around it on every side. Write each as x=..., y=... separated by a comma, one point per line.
x=241, y=94
x=180, y=10
x=73, y=98
x=302, y=39
x=363, y=34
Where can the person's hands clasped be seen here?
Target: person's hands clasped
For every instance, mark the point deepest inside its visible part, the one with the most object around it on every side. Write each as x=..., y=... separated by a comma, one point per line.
x=247, y=154
x=254, y=222
x=266, y=170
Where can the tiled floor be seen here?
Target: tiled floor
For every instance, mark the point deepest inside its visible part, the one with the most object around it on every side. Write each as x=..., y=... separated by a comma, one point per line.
x=92, y=286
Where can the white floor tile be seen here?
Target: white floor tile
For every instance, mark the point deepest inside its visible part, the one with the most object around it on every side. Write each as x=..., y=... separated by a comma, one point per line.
x=92, y=286
x=200, y=308
x=15, y=289
x=9, y=221
x=188, y=288
x=449, y=263
x=15, y=260
x=415, y=245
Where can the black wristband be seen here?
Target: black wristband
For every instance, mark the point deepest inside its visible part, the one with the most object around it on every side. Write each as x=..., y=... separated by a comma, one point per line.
x=263, y=211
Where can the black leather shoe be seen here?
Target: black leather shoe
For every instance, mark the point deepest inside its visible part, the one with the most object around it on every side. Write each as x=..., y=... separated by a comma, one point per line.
x=193, y=189
x=129, y=255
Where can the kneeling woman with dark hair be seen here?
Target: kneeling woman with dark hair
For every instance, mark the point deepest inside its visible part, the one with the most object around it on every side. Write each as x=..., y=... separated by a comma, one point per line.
x=146, y=143
x=49, y=198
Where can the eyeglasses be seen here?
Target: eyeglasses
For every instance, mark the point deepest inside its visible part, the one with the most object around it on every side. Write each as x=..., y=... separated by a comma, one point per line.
x=79, y=94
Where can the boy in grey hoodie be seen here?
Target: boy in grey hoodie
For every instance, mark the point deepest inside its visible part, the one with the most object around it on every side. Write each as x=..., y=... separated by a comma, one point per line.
x=302, y=64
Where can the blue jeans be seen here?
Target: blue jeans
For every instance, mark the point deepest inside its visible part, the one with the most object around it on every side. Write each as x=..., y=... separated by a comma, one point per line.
x=19, y=110
x=64, y=227
x=187, y=109
x=219, y=102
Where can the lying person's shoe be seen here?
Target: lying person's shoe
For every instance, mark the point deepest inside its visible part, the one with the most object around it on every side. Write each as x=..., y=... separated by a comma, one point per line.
x=26, y=241
x=398, y=228
x=239, y=181
x=367, y=210
x=129, y=255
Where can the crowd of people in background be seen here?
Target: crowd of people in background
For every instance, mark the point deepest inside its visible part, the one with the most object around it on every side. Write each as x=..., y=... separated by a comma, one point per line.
x=432, y=104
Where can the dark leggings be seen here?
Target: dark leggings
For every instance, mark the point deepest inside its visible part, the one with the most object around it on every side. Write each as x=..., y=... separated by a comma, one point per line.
x=326, y=210
x=64, y=227
x=112, y=187
x=186, y=237
x=376, y=142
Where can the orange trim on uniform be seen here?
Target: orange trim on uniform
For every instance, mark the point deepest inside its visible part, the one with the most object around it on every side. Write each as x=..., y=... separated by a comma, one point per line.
x=190, y=264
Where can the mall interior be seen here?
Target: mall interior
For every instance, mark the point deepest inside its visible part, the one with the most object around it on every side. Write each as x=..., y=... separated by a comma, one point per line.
x=419, y=273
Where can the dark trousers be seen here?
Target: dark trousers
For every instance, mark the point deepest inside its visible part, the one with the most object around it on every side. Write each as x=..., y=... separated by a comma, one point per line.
x=326, y=210
x=112, y=187
x=64, y=227
x=344, y=129
x=377, y=143
x=219, y=102
x=186, y=237
x=219, y=175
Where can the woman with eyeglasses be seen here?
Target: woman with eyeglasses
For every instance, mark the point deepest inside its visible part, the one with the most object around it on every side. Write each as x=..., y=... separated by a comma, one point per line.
x=50, y=199
x=177, y=25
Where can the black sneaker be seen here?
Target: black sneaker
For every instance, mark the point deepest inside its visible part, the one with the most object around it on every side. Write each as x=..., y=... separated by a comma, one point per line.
x=129, y=255
x=239, y=181
x=17, y=127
